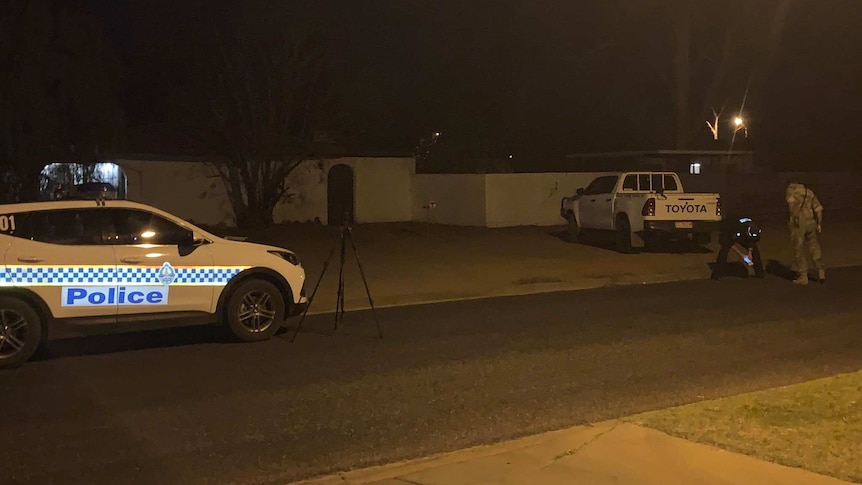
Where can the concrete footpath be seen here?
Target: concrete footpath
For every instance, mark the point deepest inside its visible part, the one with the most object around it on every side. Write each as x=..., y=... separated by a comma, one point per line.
x=613, y=452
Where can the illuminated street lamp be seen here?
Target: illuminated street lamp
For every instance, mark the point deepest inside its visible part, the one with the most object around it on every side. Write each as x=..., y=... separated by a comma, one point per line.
x=739, y=124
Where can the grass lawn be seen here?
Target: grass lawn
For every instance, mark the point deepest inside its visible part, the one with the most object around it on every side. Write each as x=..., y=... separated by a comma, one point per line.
x=815, y=425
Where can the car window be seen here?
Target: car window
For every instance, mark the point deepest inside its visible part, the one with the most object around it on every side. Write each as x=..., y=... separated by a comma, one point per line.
x=657, y=182
x=631, y=182
x=142, y=227
x=602, y=185
x=78, y=227
x=644, y=182
x=670, y=182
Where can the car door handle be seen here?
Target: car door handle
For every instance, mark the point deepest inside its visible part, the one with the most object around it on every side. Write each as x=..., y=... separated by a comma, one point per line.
x=592, y=200
x=131, y=260
x=29, y=259
x=607, y=200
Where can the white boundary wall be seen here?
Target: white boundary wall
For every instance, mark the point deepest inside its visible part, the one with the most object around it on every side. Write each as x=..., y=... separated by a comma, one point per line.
x=383, y=190
x=389, y=190
x=459, y=199
x=530, y=199
x=495, y=200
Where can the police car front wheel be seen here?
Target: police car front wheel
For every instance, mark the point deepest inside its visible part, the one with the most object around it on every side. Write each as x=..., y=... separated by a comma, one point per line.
x=20, y=332
x=255, y=311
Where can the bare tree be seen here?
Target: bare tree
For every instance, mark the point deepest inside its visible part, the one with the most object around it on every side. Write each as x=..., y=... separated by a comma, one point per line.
x=255, y=97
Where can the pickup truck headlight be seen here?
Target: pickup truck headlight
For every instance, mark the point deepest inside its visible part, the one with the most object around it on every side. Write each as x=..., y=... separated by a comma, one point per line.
x=287, y=256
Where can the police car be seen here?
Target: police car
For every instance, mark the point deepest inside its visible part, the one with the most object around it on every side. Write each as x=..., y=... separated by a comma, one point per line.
x=87, y=267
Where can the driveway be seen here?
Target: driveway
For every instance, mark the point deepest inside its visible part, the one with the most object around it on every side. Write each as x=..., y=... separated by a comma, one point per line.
x=408, y=263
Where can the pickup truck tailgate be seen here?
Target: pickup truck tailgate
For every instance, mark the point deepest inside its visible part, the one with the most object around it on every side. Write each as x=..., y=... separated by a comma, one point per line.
x=687, y=207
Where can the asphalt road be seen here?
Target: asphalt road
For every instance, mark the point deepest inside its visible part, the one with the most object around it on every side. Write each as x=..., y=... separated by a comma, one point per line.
x=187, y=406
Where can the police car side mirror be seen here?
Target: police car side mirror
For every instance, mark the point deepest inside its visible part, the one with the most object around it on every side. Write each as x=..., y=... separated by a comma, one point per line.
x=580, y=191
x=185, y=239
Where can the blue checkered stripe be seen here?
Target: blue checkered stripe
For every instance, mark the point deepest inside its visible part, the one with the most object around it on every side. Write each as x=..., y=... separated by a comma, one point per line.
x=185, y=276
x=96, y=275
x=59, y=275
x=205, y=276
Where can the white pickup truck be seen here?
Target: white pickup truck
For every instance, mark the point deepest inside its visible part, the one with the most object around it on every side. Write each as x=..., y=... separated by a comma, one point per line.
x=642, y=209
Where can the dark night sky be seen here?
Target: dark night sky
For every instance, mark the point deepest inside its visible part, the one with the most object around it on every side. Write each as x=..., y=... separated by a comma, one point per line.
x=544, y=78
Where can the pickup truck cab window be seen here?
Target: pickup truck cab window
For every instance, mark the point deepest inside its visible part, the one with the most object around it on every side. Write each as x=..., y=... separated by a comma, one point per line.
x=644, y=182
x=630, y=182
x=670, y=183
x=654, y=182
x=602, y=185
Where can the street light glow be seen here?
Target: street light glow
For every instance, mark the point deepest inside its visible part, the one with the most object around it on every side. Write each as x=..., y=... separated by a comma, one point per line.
x=740, y=125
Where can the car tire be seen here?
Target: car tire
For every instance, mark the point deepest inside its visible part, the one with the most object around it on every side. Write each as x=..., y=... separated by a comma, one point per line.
x=624, y=235
x=20, y=332
x=255, y=311
x=573, y=228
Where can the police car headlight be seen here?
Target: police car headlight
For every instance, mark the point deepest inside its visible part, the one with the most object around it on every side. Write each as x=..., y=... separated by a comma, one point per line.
x=287, y=256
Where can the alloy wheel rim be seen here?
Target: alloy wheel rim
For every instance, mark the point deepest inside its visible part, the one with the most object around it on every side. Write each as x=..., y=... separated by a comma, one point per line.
x=13, y=333
x=256, y=311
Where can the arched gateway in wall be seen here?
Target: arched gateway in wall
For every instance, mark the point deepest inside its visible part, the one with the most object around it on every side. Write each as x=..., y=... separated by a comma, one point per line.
x=340, y=195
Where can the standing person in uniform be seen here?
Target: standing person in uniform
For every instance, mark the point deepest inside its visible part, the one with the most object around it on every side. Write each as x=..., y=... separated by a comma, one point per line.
x=806, y=218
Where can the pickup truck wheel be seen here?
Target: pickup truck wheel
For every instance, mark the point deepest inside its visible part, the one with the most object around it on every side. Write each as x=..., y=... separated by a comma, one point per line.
x=624, y=235
x=20, y=332
x=574, y=229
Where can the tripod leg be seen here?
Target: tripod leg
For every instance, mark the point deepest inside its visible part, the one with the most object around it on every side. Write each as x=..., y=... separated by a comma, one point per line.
x=339, y=304
x=365, y=283
x=314, y=292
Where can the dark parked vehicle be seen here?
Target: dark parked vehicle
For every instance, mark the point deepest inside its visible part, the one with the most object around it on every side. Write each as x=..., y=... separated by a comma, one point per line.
x=92, y=190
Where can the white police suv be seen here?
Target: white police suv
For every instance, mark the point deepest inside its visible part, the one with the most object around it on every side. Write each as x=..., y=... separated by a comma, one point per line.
x=92, y=266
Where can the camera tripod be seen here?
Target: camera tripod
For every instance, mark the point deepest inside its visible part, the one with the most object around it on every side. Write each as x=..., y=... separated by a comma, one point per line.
x=345, y=236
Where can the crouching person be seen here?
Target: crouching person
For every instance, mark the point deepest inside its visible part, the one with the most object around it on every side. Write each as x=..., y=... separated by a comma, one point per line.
x=740, y=235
